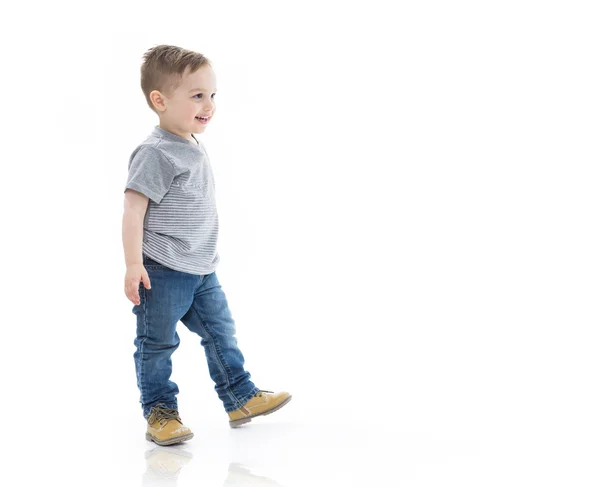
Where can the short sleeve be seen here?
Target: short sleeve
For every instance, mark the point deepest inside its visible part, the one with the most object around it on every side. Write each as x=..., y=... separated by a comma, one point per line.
x=150, y=173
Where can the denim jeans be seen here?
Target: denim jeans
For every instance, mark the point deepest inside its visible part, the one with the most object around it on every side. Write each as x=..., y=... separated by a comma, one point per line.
x=200, y=304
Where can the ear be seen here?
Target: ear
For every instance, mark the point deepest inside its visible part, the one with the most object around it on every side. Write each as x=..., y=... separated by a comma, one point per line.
x=158, y=100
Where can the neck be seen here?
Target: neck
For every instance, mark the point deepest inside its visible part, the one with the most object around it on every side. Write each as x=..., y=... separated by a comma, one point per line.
x=184, y=135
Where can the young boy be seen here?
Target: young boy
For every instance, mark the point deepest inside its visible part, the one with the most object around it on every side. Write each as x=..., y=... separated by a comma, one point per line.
x=170, y=230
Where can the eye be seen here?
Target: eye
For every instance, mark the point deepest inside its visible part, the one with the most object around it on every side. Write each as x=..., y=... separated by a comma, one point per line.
x=200, y=94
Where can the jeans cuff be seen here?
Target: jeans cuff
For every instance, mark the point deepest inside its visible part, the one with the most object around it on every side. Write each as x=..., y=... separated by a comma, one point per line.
x=243, y=400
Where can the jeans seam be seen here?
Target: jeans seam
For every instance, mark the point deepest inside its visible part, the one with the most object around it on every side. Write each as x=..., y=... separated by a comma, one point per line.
x=224, y=367
x=142, y=342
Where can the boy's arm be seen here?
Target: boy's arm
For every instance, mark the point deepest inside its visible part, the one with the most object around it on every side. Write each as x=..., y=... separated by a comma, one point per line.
x=134, y=212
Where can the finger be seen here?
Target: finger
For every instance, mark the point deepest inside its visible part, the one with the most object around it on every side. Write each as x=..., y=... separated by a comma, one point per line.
x=132, y=295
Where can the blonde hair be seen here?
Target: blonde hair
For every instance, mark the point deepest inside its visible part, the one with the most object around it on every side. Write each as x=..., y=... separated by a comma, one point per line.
x=163, y=67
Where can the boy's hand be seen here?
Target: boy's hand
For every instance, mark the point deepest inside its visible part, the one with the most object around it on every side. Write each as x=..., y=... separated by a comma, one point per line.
x=134, y=274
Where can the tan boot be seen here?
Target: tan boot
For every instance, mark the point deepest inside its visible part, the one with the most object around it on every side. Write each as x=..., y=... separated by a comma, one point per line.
x=261, y=404
x=165, y=426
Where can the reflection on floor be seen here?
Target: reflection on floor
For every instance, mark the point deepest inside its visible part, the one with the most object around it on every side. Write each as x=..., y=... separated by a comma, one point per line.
x=163, y=464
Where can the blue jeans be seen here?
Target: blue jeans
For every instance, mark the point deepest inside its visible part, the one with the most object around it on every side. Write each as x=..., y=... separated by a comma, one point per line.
x=200, y=304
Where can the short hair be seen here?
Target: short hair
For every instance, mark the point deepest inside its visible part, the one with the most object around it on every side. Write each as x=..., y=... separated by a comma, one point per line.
x=163, y=67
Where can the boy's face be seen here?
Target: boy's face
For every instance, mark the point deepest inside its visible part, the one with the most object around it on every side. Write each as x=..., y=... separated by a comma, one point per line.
x=195, y=97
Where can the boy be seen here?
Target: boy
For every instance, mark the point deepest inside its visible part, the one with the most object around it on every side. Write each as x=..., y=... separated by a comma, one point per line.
x=170, y=230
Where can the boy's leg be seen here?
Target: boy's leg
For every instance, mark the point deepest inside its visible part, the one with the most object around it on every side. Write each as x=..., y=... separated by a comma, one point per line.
x=160, y=308
x=210, y=317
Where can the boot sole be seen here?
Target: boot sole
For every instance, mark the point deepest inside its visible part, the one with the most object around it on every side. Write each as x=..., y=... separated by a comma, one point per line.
x=238, y=422
x=169, y=441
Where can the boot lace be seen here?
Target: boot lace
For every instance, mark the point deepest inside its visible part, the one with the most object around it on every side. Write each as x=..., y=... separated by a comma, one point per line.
x=259, y=393
x=162, y=414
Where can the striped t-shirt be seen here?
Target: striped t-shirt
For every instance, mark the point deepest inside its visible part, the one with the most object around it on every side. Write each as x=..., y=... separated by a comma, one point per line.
x=181, y=224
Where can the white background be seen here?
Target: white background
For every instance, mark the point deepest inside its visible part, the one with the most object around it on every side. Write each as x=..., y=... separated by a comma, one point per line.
x=408, y=202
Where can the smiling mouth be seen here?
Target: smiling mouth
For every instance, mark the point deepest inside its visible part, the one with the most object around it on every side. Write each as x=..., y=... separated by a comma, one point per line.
x=203, y=119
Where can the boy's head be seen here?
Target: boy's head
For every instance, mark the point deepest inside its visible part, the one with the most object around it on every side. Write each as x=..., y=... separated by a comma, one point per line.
x=179, y=85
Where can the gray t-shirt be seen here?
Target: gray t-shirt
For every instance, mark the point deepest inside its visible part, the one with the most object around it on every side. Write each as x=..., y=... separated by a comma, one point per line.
x=181, y=224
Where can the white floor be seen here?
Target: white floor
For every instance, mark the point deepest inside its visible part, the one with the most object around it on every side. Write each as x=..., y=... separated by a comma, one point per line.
x=284, y=449
x=274, y=452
